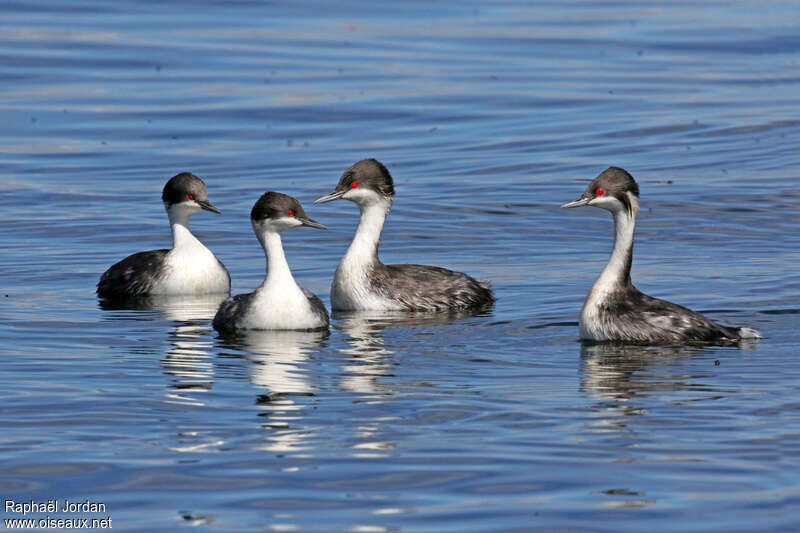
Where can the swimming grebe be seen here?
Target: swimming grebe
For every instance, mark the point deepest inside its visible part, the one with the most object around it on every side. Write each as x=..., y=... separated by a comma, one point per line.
x=362, y=282
x=279, y=303
x=188, y=268
x=615, y=310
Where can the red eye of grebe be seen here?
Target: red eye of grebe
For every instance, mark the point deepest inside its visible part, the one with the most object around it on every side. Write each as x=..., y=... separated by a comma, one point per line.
x=353, y=184
x=290, y=213
x=190, y=196
x=600, y=192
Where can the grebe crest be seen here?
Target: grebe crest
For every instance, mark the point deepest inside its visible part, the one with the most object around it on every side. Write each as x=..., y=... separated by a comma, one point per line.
x=363, y=282
x=615, y=310
x=279, y=303
x=189, y=268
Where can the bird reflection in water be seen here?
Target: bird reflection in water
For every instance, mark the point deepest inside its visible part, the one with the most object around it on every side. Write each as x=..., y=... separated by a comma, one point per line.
x=615, y=371
x=637, y=388
x=188, y=359
x=368, y=357
x=620, y=372
x=279, y=366
x=369, y=364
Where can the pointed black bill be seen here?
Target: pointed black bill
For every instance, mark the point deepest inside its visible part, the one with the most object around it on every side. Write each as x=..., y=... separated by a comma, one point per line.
x=311, y=223
x=583, y=200
x=208, y=206
x=331, y=196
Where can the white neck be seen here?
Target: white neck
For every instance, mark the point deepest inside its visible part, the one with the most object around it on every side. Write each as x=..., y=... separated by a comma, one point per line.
x=279, y=303
x=179, y=221
x=617, y=272
x=364, y=248
x=278, y=273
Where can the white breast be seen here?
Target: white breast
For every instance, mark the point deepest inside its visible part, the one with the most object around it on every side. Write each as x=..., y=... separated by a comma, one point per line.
x=592, y=325
x=280, y=307
x=192, y=270
x=351, y=291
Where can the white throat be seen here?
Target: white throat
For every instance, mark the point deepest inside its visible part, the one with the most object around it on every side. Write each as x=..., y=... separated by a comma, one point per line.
x=279, y=303
x=618, y=268
x=364, y=248
x=190, y=267
x=616, y=274
x=351, y=288
x=279, y=276
x=179, y=222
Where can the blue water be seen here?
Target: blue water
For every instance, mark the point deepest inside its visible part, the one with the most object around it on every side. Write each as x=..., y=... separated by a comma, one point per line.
x=489, y=116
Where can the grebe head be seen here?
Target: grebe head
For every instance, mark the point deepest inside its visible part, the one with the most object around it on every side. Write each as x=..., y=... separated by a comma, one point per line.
x=367, y=182
x=187, y=193
x=277, y=212
x=614, y=190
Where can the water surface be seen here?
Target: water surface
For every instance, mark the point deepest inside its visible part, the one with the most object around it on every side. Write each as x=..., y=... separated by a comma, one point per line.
x=489, y=116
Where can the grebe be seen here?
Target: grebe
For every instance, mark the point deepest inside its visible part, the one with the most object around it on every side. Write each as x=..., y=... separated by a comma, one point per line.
x=188, y=268
x=362, y=282
x=615, y=310
x=279, y=303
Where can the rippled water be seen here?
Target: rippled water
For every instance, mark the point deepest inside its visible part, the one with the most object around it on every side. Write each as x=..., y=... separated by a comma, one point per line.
x=489, y=116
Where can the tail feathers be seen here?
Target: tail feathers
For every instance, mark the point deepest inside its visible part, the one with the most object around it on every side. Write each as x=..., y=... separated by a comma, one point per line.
x=749, y=333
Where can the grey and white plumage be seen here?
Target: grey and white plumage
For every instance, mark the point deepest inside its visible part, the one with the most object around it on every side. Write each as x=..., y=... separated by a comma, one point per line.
x=363, y=282
x=279, y=303
x=615, y=310
x=187, y=268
